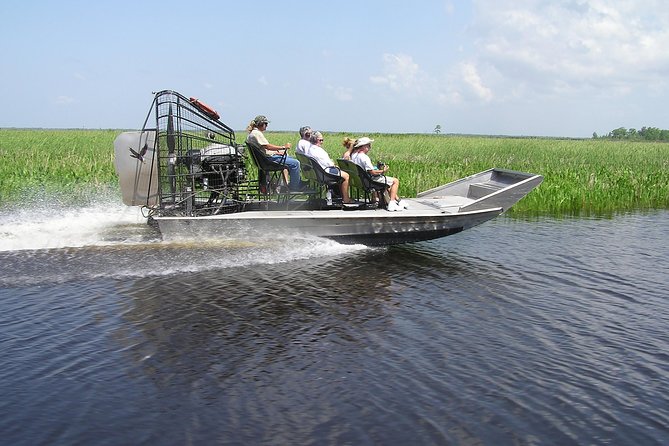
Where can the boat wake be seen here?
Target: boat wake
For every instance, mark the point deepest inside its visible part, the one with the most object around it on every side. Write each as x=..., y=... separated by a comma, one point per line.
x=106, y=239
x=53, y=226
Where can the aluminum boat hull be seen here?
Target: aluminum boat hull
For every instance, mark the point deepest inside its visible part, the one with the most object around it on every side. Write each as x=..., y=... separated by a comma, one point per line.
x=369, y=227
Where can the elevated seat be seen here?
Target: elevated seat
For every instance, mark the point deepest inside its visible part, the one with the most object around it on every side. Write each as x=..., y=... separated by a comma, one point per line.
x=361, y=180
x=324, y=178
x=270, y=172
x=306, y=169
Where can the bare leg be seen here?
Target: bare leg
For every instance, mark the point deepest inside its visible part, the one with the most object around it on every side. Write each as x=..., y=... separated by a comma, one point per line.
x=393, y=189
x=344, y=188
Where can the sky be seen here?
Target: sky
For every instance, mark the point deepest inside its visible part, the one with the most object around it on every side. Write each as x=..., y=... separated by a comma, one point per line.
x=561, y=68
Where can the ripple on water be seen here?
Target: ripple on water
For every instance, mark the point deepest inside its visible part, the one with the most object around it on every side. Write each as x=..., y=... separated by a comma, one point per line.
x=551, y=331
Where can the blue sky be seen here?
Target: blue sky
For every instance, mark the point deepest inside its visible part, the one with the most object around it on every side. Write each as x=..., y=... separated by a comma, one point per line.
x=509, y=67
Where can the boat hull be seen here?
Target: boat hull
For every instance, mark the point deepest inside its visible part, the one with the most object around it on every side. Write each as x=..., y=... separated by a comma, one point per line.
x=369, y=227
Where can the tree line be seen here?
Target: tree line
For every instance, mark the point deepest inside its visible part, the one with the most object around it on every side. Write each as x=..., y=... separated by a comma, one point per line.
x=644, y=134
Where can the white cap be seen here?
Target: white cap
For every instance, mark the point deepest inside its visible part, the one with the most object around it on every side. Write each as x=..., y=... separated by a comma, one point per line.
x=362, y=141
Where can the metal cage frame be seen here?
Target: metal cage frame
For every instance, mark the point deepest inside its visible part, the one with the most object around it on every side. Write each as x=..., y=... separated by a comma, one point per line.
x=201, y=169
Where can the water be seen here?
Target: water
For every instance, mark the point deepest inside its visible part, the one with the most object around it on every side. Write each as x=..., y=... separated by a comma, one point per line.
x=515, y=332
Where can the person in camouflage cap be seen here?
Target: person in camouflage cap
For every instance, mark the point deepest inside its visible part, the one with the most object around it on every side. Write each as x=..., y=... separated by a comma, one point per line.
x=276, y=153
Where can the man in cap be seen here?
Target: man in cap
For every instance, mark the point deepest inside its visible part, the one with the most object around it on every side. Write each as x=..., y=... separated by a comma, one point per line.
x=256, y=136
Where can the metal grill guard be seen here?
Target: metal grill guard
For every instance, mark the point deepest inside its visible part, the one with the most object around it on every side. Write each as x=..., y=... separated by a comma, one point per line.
x=201, y=170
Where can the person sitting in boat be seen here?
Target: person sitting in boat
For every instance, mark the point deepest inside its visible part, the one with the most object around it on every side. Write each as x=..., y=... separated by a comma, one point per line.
x=360, y=157
x=276, y=153
x=304, y=143
x=317, y=152
x=348, y=145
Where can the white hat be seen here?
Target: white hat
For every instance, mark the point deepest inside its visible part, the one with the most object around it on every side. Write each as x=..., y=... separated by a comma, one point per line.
x=362, y=141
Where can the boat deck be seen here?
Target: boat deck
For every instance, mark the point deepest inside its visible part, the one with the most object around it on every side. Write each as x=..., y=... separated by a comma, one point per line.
x=417, y=207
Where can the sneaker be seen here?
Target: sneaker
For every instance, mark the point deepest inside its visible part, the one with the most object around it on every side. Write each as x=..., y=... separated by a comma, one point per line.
x=392, y=206
x=402, y=204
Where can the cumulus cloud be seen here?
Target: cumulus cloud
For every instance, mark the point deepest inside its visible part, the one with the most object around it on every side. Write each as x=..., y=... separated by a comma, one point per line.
x=471, y=77
x=343, y=94
x=523, y=50
x=400, y=74
x=557, y=46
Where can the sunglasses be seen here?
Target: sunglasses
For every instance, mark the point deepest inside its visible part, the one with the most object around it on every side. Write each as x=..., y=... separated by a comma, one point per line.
x=320, y=140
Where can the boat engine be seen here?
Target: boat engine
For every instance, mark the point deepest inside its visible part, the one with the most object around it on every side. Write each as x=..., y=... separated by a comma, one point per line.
x=216, y=166
x=183, y=162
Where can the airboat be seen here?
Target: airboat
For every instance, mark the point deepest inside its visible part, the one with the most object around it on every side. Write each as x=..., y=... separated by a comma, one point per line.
x=191, y=177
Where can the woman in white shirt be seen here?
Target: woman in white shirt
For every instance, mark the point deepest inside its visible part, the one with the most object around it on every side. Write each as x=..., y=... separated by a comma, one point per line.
x=360, y=157
x=317, y=152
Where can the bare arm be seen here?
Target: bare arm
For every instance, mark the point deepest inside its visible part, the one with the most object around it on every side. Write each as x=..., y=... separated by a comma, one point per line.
x=274, y=148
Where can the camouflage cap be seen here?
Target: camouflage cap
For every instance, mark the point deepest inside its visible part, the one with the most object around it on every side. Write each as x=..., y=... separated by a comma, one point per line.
x=260, y=119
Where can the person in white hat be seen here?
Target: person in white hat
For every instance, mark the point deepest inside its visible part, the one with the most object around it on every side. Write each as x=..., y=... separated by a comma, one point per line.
x=360, y=157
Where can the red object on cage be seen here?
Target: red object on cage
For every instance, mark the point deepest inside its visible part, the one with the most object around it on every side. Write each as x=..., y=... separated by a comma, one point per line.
x=204, y=108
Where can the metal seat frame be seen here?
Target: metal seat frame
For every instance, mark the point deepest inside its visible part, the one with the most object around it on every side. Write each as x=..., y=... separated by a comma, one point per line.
x=270, y=172
x=360, y=179
x=326, y=179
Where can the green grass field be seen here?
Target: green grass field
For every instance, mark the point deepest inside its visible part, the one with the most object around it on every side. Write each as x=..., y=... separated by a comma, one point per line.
x=582, y=177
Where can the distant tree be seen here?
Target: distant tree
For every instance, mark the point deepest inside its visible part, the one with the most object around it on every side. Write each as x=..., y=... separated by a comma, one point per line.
x=645, y=134
x=618, y=133
x=437, y=129
x=650, y=133
x=594, y=135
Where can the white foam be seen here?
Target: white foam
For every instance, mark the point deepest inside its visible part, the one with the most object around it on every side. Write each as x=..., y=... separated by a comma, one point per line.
x=59, y=227
x=110, y=223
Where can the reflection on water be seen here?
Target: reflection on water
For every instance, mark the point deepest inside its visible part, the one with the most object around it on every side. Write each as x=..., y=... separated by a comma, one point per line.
x=516, y=332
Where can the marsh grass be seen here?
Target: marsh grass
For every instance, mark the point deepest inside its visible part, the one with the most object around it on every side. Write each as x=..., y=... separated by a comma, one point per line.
x=581, y=177
x=54, y=161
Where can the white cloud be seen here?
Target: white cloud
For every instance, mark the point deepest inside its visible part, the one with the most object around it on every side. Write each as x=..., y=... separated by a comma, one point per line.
x=403, y=76
x=555, y=47
x=471, y=77
x=343, y=94
x=263, y=80
x=400, y=74
x=64, y=100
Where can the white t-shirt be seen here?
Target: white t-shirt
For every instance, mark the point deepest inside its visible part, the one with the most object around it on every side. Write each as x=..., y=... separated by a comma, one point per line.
x=320, y=155
x=362, y=160
x=302, y=147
